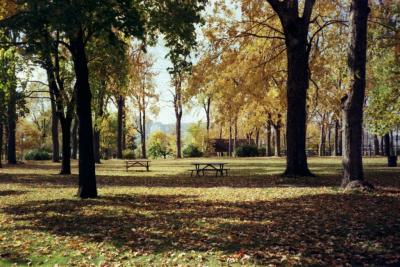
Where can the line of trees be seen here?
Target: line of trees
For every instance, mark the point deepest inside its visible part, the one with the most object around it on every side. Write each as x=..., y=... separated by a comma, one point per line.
x=294, y=70
x=39, y=26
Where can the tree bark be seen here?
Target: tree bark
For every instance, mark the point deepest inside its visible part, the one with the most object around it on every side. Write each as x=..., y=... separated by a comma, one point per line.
x=387, y=144
x=75, y=139
x=322, y=139
x=296, y=113
x=124, y=130
x=258, y=137
x=392, y=153
x=178, y=137
x=296, y=30
x=329, y=140
x=57, y=106
x=376, y=145
x=143, y=132
x=97, y=132
x=54, y=131
x=230, y=139
x=178, y=115
x=268, y=142
x=207, y=109
x=120, y=130
x=96, y=145
x=66, y=145
x=235, y=140
x=354, y=101
x=277, y=138
x=87, y=172
x=337, y=141
x=1, y=144
x=12, y=124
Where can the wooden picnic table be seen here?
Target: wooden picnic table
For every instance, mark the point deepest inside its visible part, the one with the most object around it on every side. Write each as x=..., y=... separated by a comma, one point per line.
x=203, y=167
x=137, y=163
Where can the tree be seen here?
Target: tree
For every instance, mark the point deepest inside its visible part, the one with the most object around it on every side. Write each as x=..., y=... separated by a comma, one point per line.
x=353, y=102
x=78, y=22
x=383, y=104
x=296, y=31
x=142, y=91
x=108, y=70
x=8, y=84
x=159, y=145
x=179, y=73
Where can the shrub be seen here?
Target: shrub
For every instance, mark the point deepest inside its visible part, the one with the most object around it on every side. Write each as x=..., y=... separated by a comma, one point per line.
x=128, y=154
x=37, y=154
x=247, y=151
x=157, y=150
x=262, y=151
x=192, y=151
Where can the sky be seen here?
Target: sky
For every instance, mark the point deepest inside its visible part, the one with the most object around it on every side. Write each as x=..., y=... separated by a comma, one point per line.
x=163, y=88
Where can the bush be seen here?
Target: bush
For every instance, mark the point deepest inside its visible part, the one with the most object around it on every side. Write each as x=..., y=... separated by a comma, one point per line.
x=262, y=151
x=128, y=154
x=247, y=151
x=156, y=150
x=37, y=154
x=192, y=151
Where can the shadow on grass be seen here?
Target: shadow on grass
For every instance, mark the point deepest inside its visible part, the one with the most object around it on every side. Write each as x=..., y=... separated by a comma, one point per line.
x=5, y=193
x=323, y=229
x=379, y=177
x=267, y=181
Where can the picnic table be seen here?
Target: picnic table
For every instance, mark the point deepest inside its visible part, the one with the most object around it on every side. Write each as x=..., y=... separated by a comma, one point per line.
x=137, y=163
x=203, y=167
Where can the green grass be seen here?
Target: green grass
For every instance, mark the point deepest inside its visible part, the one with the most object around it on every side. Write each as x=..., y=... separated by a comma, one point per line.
x=167, y=218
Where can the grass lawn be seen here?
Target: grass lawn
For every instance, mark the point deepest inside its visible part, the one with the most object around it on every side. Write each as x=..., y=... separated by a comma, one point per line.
x=167, y=218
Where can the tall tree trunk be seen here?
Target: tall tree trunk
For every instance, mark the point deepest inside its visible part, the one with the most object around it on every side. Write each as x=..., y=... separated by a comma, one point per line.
x=54, y=131
x=87, y=171
x=354, y=101
x=207, y=108
x=258, y=137
x=235, y=140
x=75, y=139
x=66, y=145
x=337, y=141
x=96, y=145
x=277, y=137
x=12, y=124
x=387, y=144
x=297, y=85
x=268, y=142
x=124, y=131
x=392, y=153
x=143, y=133
x=120, y=130
x=97, y=132
x=376, y=145
x=230, y=139
x=329, y=140
x=296, y=30
x=321, y=148
x=178, y=115
x=5, y=126
x=178, y=137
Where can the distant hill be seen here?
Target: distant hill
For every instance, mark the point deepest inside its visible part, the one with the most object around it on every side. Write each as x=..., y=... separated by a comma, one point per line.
x=166, y=128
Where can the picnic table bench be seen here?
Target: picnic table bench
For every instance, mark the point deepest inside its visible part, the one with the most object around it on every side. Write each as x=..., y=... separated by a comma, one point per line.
x=204, y=167
x=137, y=163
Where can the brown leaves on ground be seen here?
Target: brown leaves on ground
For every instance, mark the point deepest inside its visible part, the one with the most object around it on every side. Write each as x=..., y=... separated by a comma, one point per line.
x=188, y=226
